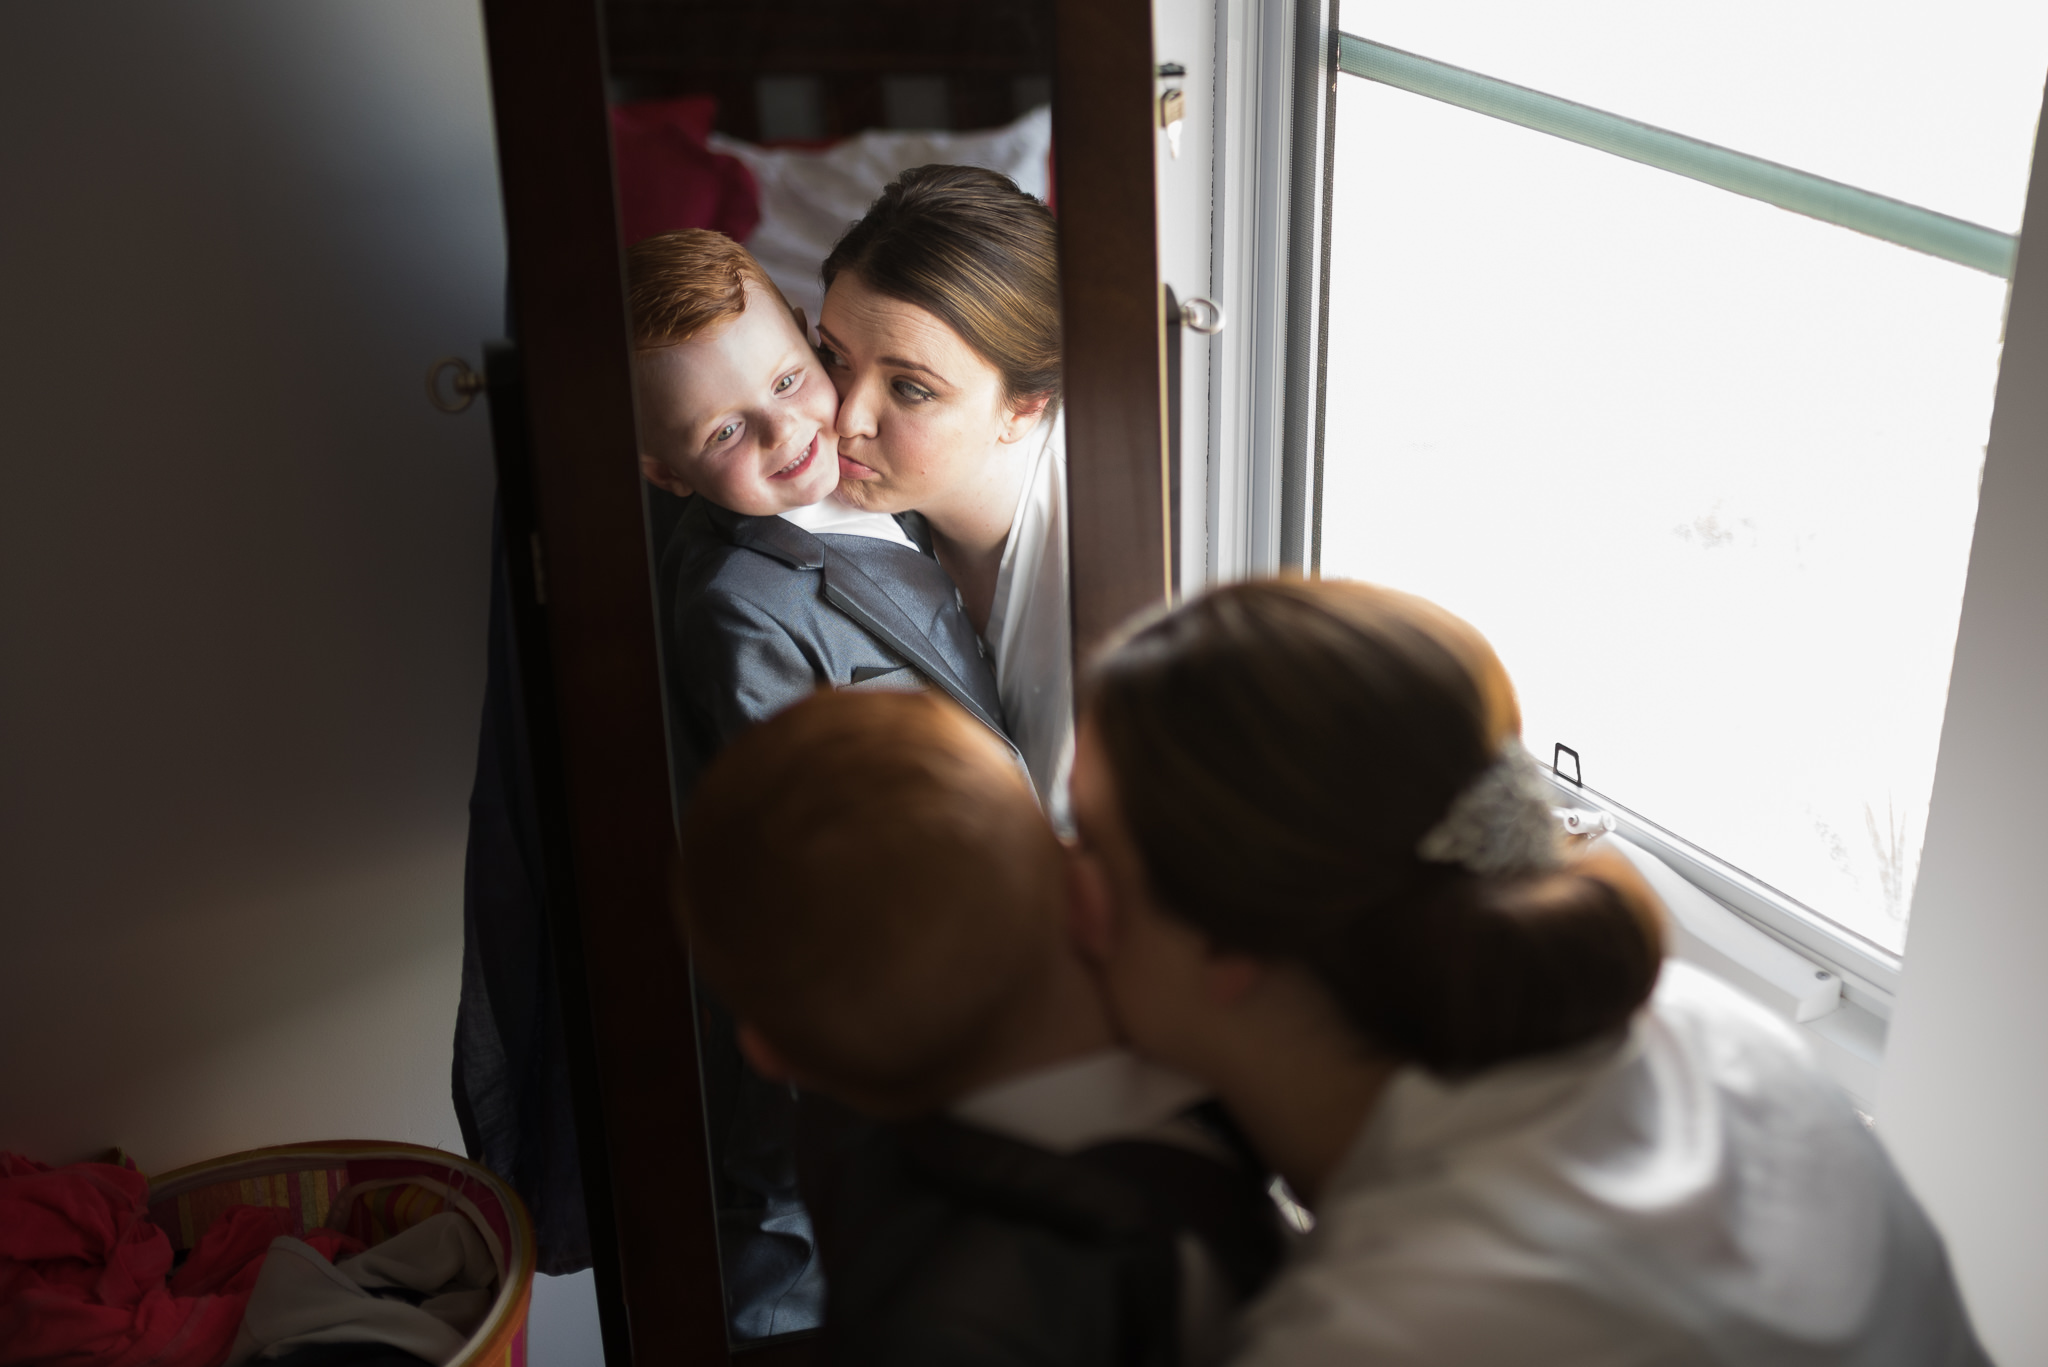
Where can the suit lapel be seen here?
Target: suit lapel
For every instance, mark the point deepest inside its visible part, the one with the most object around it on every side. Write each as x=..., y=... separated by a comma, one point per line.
x=868, y=601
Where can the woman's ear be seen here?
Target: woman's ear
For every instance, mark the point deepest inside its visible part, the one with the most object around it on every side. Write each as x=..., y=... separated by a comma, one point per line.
x=1021, y=418
x=1090, y=919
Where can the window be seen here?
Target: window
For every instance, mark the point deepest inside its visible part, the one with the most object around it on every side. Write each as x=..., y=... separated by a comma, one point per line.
x=1704, y=470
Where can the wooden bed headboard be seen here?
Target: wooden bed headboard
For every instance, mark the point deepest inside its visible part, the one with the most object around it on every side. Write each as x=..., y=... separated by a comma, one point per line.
x=825, y=69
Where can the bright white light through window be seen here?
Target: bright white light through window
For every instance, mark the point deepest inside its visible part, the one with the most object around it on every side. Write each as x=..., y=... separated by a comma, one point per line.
x=1704, y=471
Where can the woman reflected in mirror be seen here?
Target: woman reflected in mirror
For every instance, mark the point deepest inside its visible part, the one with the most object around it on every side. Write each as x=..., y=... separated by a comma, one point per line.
x=941, y=331
x=942, y=353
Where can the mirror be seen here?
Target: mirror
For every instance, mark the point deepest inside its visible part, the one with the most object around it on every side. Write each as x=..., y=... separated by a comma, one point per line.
x=587, y=950
x=855, y=486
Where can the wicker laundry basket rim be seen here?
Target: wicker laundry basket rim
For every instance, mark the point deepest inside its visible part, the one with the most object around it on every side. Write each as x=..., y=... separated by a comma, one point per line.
x=507, y=1311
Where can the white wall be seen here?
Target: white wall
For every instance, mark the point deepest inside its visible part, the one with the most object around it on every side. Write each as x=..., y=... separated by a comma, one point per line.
x=1965, y=1098
x=243, y=566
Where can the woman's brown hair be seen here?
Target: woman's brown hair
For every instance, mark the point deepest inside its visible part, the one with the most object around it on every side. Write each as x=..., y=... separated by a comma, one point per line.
x=969, y=247
x=1279, y=749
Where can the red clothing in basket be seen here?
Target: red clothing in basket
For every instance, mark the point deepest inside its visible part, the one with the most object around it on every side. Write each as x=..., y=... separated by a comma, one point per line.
x=85, y=1278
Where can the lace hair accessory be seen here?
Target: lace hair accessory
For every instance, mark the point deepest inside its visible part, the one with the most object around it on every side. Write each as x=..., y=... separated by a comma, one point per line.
x=1501, y=824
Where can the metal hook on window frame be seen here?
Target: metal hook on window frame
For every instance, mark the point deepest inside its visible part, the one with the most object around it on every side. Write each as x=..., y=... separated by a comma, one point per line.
x=1205, y=316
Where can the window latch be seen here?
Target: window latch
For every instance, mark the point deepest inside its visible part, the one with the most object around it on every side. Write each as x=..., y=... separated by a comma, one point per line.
x=1173, y=106
x=1577, y=822
x=1557, y=754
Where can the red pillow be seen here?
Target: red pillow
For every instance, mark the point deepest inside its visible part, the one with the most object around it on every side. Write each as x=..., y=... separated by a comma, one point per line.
x=669, y=179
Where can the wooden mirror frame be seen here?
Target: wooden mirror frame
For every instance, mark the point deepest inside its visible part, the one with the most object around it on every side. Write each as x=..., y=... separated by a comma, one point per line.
x=576, y=536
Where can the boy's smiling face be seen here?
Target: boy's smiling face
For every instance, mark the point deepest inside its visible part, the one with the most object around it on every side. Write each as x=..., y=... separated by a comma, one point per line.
x=742, y=414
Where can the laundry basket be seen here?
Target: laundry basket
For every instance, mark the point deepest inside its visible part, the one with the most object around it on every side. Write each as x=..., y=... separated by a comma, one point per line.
x=372, y=1191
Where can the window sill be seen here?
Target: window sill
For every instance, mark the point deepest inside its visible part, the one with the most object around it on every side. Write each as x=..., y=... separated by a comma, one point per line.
x=1869, y=972
x=1770, y=950
x=1846, y=1036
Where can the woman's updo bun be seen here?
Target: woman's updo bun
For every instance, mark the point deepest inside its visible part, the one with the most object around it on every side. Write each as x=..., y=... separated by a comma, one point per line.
x=1477, y=971
x=1279, y=749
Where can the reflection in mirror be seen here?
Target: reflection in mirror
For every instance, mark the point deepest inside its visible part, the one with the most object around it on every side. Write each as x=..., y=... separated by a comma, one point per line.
x=845, y=306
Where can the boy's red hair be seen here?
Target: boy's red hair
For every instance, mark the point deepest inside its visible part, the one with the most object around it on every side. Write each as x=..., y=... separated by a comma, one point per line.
x=680, y=284
x=868, y=882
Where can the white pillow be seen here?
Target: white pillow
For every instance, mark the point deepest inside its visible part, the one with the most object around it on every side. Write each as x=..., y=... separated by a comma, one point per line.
x=808, y=198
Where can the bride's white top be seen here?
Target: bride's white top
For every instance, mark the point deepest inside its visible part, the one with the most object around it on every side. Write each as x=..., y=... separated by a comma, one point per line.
x=830, y=515
x=1030, y=634
x=1699, y=1193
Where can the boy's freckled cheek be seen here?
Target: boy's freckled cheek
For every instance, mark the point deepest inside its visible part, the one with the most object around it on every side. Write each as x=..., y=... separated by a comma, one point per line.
x=826, y=408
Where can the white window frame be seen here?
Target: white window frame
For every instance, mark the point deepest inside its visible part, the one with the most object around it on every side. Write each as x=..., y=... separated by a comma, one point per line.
x=1869, y=973
x=1277, y=67
x=1274, y=91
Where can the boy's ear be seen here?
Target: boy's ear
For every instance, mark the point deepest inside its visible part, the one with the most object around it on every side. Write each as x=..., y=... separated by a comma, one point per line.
x=762, y=1056
x=661, y=477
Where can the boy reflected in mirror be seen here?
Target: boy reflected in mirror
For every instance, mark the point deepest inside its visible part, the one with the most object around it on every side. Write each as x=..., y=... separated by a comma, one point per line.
x=769, y=589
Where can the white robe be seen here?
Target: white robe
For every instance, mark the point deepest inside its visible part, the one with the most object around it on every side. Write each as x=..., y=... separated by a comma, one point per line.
x=1700, y=1193
x=1030, y=632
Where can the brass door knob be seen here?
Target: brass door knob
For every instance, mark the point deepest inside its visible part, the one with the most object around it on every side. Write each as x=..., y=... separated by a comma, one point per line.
x=458, y=390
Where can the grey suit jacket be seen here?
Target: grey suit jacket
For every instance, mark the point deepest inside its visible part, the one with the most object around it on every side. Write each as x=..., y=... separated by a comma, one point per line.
x=760, y=613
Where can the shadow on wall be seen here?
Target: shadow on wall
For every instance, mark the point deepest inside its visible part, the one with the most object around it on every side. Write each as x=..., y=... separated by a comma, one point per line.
x=245, y=566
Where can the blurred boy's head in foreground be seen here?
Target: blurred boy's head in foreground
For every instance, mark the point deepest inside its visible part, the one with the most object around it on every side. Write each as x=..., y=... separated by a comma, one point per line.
x=870, y=887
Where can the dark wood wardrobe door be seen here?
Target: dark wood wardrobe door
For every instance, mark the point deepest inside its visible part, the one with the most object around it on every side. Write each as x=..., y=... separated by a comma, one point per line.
x=1104, y=143
x=650, y=1209
x=563, y=403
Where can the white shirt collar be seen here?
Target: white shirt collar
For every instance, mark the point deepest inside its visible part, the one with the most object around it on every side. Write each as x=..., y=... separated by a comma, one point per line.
x=832, y=516
x=1071, y=1106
